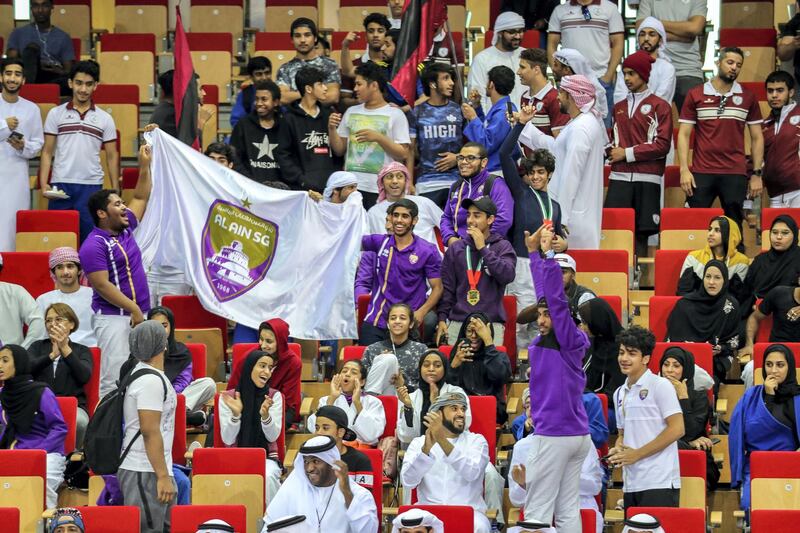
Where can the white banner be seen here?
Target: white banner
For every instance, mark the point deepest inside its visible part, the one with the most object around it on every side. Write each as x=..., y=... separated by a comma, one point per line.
x=252, y=252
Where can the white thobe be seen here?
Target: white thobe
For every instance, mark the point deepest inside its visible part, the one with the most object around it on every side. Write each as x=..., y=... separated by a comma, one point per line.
x=455, y=479
x=479, y=69
x=577, y=183
x=15, y=178
x=81, y=302
x=429, y=217
x=368, y=425
x=17, y=309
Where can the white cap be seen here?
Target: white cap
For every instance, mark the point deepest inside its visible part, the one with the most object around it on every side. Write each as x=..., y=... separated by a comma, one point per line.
x=565, y=261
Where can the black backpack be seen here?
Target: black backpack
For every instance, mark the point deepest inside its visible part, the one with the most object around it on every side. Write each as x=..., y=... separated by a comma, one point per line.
x=105, y=431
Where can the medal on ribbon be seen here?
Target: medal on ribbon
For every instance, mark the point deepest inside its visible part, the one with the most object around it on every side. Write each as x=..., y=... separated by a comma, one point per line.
x=547, y=213
x=473, y=277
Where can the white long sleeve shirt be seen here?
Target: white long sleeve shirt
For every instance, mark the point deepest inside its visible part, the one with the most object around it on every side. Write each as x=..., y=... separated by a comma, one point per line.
x=30, y=126
x=229, y=429
x=17, y=309
x=368, y=425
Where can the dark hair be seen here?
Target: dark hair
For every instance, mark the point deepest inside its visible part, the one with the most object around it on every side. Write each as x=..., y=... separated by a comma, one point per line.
x=540, y=157
x=408, y=310
x=377, y=18
x=11, y=61
x=65, y=311
x=731, y=50
x=258, y=63
x=165, y=82
x=361, y=368
x=430, y=74
x=503, y=79
x=308, y=77
x=638, y=338
x=268, y=85
x=304, y=22
x=394, y=33
x=405, y=203
x=88, y=67
x=371, y=72
x=99, y=202
x=324, y=42
x=222, y=149
x=536, y=57
x=482, y=151
x=780, y=76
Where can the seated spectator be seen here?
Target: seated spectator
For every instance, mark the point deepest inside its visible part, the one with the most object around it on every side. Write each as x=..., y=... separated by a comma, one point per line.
x=416, y=520
x=255, y=137
x=651, y=37
x=332, y=421
x=642, y=523
x=766, y=418
x=414, y=405
x=259, y=69
x=600, y=322
x=45, y=49
x=395, y=358
x=292, y=524
x=446, y=465
x=346, y=507
x=709, y=314
x=723, y=242
x=477, y=366
x=394, y=183
x=66, y=520
x=304, y=34
x=365, y=414
x=340, y=185
x=32, y=417
x=65, y=269
x=252, y=415
x=17, y=310
x=475, y=273
x=63, y=364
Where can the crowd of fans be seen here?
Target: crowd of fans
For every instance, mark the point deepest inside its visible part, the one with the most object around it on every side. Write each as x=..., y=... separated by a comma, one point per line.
x=467, y=202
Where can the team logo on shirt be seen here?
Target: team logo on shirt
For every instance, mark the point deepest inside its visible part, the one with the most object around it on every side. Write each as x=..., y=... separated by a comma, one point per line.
x=643, y=394
x=413, y=258
x=794, y=120
x=238, y=249
x=737, y=100
x=646, y=108
x=539, y=106
x=452, y=118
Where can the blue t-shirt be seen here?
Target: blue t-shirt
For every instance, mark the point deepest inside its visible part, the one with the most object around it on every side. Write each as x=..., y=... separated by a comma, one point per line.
x=55, y=44
x=437, y=129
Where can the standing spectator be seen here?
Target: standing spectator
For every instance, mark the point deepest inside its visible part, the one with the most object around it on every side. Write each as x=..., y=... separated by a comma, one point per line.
x=536, y=14
x=255, y=137
x=66, y=271
x=396, y=13
x=376, y=26
x=75, y=133
x=568, y=62
x=304, y=37
x=259, y=69
x=540, y=93
x=596, y=30
x=20, y=140
x=652, y=38
x=112, y=261
x=720, y=109
x=683, y=22
x=18, y=309
x=493, y=128
x=781, y=147
x=642, y=139
x=371, y=134
x=505, y=50
x=145, y=475
x=304, y=152
x=46, y=50
x=436, y=127
x=164, y=113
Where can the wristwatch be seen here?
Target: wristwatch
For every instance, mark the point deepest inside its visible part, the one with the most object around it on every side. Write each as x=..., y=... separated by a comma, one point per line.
x=757, y=172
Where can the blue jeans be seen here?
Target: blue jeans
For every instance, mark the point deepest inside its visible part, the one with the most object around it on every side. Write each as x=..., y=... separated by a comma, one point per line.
x=609, y=87
x=79, y=201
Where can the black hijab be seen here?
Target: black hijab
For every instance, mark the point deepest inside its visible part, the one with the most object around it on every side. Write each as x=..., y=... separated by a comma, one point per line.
x=424, y=386
x=250, y=434
x=686, y=359
x=601, y=367
x=178, y=356
x=773, y=268
x=462, y=333
x=20, y=396
x=787, y=390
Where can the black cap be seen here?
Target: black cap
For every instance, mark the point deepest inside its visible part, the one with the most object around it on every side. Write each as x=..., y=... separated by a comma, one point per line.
x=339, y=417
x=484, y=203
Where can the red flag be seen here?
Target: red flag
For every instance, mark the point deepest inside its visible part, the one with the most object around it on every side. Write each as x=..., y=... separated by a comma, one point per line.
x=185, y=95
x=422, y=19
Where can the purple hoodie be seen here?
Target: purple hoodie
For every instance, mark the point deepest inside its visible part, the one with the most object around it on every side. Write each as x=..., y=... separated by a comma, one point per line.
x=557, y=378
x=454, y=219
x=48, y=430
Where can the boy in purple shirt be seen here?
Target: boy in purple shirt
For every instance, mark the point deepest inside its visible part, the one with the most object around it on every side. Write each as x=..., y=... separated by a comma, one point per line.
x=556, y=387
x=405, y=266
x=113, y=263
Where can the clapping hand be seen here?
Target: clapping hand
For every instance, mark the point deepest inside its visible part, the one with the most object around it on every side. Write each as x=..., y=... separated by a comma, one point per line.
x=264, y=410
x=234, y=403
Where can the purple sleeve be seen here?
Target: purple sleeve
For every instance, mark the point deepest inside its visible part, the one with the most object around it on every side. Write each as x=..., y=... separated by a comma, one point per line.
x=371, y=243
x=501, y=260
x=366, y=266
x=448, y=284
x=132, y=220
x=183, y=379
x=54, y=421
x=93, y=255
x=433, y=264
x=505, y=207
x=446, y=224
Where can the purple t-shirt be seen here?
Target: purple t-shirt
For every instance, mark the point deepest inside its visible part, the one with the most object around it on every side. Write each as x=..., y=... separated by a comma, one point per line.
x=120, y=256
x=400, y=276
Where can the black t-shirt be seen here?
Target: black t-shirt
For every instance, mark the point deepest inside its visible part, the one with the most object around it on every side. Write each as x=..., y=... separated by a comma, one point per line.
x=790, y=30
x=778, y=302
x=356, y=460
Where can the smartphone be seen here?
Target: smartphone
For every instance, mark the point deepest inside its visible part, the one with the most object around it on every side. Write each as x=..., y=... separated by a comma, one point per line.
x=715, y=441
x=17, y=136
x=509, y=108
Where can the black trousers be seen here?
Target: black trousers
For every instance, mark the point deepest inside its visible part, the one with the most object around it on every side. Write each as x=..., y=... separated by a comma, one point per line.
x=652, y=498
x=730, y=188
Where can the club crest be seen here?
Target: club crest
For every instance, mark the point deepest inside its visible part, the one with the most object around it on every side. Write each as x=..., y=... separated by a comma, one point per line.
x=643, y=394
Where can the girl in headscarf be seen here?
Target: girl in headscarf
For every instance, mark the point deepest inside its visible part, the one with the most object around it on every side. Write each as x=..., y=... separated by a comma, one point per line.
x=710, y=315
x=721, y=243
x=766, y=418
x=600, y=322
x=31, y=417
x=477, y=366
x=252, y=415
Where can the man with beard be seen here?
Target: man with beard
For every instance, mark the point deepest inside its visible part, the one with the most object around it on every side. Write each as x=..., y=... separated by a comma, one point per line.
x=652, y=39
x=781, y=128
x=568, y=62
x=505, y=50
x=717, y=112
x=304, y=36
x=21, y=139
x=446, y=465
x=320, y=489
x=642, y=139
x=540, y=93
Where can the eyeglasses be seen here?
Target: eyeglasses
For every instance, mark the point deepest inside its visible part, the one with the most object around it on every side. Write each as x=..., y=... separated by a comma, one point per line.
x=722, y=102
x=587, y=15
x=57, y=320
x=467, y=158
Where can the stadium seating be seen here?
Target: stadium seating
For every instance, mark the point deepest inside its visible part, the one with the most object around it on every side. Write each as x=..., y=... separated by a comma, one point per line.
x=190, y=314
x=186, y=518
x=45, y=95
x=23, y=473
x=120, y=519
x=759, y=353
x=75, y=18
x=277, y=46
x=746, y=14
x=279, y=14
x=674, y=518
x=484, y=421
x=141, y=16
x=179, y=436
x=604, y=272
x=92, y=388
x=760, y=90
x=668, y=271
x=218, y=443
x=69, y=411
x=615, y=302
x=703, y=355
x=129, y=59
x=686, y=229
x=350, y=353
x=373, y=481
x=198, y=352
x=218, y=16
x=774, y=520
x=6, y=19
x=673, y=194
x=212, y=54
x=122, y=103
x=42, y=231
x=768, y=215
x=660, y=308
x=390, y=412
x=618, y=230
x=775, y=480
x=758, y=46
x=9, y=517
x=210, y=104
x=352, y=13
x=456, y=518
x=356, y=50
x=29, y=269
x=693, y=479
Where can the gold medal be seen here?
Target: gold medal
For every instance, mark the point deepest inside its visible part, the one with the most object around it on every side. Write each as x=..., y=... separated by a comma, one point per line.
x=473, y=297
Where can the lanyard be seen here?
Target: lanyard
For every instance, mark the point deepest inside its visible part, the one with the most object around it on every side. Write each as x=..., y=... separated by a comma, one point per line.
x=473, y=276
x=546, y=213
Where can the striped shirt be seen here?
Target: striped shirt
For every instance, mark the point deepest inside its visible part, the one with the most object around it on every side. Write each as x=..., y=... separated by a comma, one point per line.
x=79, y=138
x=719, y=121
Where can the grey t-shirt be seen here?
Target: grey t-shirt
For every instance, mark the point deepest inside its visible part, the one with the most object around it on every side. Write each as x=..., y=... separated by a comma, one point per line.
x=685, y=57
x=329, y=68
x=55, y=44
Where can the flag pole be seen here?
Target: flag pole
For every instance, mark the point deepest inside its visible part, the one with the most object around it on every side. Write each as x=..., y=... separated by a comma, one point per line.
x=459, y=82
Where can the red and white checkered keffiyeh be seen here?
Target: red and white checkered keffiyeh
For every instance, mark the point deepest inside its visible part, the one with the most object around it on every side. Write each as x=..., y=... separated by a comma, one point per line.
x=582, y=91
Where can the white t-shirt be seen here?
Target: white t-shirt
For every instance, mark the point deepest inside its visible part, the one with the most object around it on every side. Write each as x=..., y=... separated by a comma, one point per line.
x=429, y=217
x=365, y=160
x=147, y=393
x=81, y=302
x=642, y=411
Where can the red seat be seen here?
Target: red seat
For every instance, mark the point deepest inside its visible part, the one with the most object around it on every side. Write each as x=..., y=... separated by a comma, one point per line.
x=122, y=101
x=229, y=461
x=198, y=352
x=362, y=306
x=684, y=218
x=92, y=387
x=390, y=411
x=762, y=37
x=668, y=271
x=675, y=518
x=186, y=518
x=615, y=302
x=352, y=353
x=373, y=481
x=764, y=327
x=122, y=519
x=760, y=348
x=9, y=516
x=41, y=93
x=40, y=220
x=69, y=410
x=179, y=437
x=774, y=521
x=588, y=521
x=703, y=355
x=190, y=314
x=15, y=463
x=768, y=214
x=29, y=269
x=484, y=421
x=603, y=450
x=619, y=218
x=510, y=334
x=456, y=518
x=660, y=308
x=218, y=436
x=128, y=42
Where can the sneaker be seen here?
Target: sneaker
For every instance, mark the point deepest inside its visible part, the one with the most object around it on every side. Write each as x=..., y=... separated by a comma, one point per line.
x=196, y=418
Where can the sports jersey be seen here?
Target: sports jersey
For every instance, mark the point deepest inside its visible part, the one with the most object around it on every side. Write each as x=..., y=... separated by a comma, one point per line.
x=438, y=129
